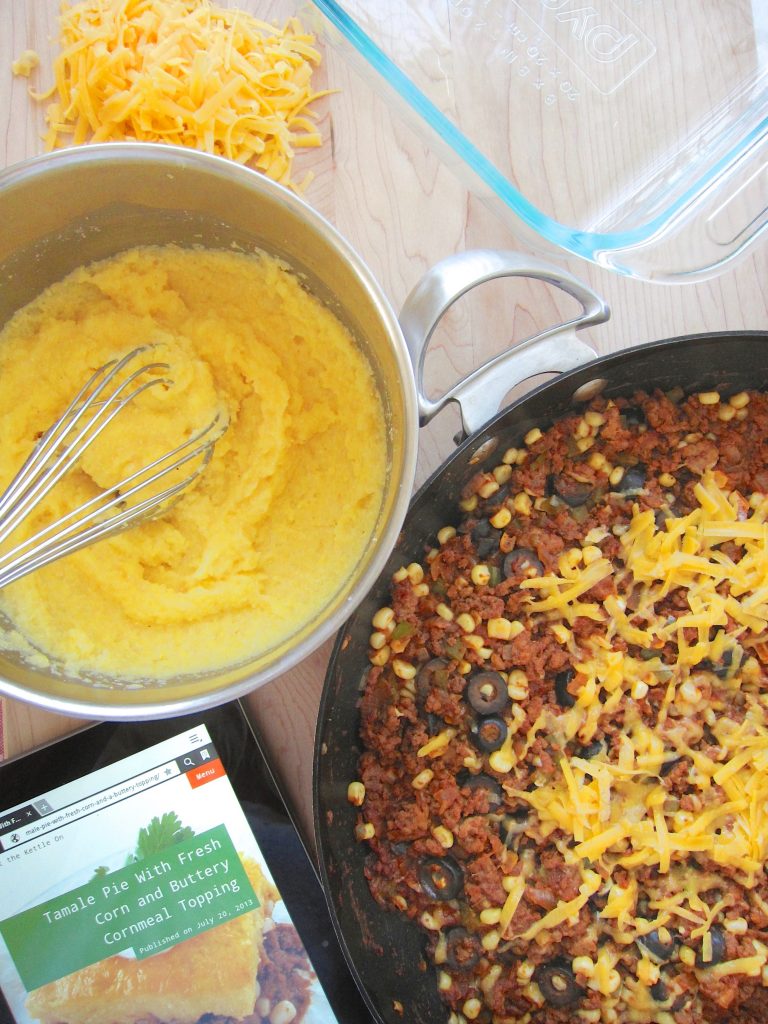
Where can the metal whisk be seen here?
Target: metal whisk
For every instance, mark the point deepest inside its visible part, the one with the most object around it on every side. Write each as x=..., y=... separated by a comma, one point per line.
x=126, y=502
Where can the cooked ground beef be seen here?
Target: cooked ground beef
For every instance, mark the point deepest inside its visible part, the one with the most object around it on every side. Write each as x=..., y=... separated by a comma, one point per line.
x=565, y=724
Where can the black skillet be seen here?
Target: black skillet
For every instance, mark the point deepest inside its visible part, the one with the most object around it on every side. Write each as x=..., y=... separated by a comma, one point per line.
x=385, y=951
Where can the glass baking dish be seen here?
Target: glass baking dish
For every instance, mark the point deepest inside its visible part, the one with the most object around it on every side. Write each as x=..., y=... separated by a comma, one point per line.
x=634, y=133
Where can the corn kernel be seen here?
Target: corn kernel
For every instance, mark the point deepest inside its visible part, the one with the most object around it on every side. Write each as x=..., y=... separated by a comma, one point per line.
x=432, y=921
x=364, y=830
x=709, y=397
x=639, y=689
x=403, y=669
x=525, y=971
x=571, y=557
x=736, y=925
x=377, y=640
x=384, y=619
x=485, y=653
x=502, y=473
x=490, y=940
x=444, y=836
x=421, y=590
x=400, y=902
x=741, y=414
x=502, y=761
x=726, y=413
x=509, y=458
x=487, y=489
x=474, y=641
x=667, y=480
x=468, y=504
x=381, y=657
x=533, y=436
x=444, y=612
x=594, y=418
x=739, y=401
x=444, y=981
x=423, y=779
x=591, y=553
x=502, y=518
x=471, y=1008
x=687, y=955
x=491, y=915
x=616, y=474
x=415, y=572
x=492, y=975
x=522, y=503
x=499, y=629
x=400, y=575
x=582, y=429
x=465, y=622
x=690, y=692
x=480, y=575
x=597, y=460
x=356, y=794
x=561, y=633
x=584, y=444
x=445, y=534
x=517, y=684
x=583, y=965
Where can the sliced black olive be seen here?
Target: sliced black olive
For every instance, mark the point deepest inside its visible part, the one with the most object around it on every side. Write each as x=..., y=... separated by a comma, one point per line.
x=435, y=724
x=487, y=692
x=557, y=982
x=441, y=878
x=718, y=949
x=484, y=782
x=485, y=538
x=564, y=698
x=660, y=992
x=432, y=674
x=658, y=949
x=488, y=732
x=633, y=479
x=590, y=751
x=633, y=416
x=572, y=492
x=522, y=562
x=723, y=667
x=463, y=949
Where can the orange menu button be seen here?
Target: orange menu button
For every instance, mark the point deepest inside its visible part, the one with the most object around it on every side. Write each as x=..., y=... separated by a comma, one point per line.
x=206, y=773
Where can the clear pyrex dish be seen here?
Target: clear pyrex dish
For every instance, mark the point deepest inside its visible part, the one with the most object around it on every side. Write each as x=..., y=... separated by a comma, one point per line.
x=632, y=133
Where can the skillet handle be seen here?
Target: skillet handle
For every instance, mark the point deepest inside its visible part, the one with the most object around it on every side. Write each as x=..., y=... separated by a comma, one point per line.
x=481, y=392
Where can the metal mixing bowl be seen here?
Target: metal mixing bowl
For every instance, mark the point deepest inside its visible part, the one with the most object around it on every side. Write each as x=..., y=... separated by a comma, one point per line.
x=67, y=209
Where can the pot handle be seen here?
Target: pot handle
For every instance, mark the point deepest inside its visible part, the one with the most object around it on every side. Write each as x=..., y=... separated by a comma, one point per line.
x=480, y=393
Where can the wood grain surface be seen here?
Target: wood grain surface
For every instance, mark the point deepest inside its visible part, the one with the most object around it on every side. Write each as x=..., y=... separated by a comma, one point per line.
x=378, y=182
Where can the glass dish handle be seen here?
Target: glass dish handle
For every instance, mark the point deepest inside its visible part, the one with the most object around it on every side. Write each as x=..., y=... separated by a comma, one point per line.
x=480, y=394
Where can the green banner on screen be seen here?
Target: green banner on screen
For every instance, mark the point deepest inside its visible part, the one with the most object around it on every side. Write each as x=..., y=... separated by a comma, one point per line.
x=145, y=907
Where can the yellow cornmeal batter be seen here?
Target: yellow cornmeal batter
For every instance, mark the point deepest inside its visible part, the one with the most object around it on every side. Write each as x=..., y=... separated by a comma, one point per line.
x=276, y=522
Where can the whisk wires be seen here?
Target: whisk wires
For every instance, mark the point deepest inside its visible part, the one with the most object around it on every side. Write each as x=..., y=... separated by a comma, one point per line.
x=128, y=502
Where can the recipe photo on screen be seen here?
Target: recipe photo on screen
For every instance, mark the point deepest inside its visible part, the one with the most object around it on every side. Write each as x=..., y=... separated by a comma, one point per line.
x=139, y=890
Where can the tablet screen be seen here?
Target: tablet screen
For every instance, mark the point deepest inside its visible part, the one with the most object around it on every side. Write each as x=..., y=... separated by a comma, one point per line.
x=144, y=890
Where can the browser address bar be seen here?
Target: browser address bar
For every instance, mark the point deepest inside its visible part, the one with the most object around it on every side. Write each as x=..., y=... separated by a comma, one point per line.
x=91, y=804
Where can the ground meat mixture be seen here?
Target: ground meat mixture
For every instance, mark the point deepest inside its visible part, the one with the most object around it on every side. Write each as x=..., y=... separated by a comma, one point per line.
x=564, y=780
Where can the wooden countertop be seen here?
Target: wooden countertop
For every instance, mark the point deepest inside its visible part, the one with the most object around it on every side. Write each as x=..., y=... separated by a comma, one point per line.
x=403, y=210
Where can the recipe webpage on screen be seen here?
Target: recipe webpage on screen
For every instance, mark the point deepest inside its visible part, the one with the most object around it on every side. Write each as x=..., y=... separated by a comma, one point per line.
x=140, y=887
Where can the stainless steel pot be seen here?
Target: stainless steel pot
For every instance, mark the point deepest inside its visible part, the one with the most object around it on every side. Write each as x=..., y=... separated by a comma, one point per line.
x=75, y=206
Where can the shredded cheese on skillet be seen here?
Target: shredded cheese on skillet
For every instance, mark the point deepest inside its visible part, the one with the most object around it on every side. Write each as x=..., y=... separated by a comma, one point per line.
x=615, y=810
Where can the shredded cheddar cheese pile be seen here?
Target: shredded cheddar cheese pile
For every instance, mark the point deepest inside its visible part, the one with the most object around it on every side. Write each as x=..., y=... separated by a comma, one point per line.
x=185, y=72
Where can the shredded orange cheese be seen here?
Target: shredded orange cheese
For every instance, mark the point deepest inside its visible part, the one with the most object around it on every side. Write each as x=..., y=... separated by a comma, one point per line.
x=184, y=72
